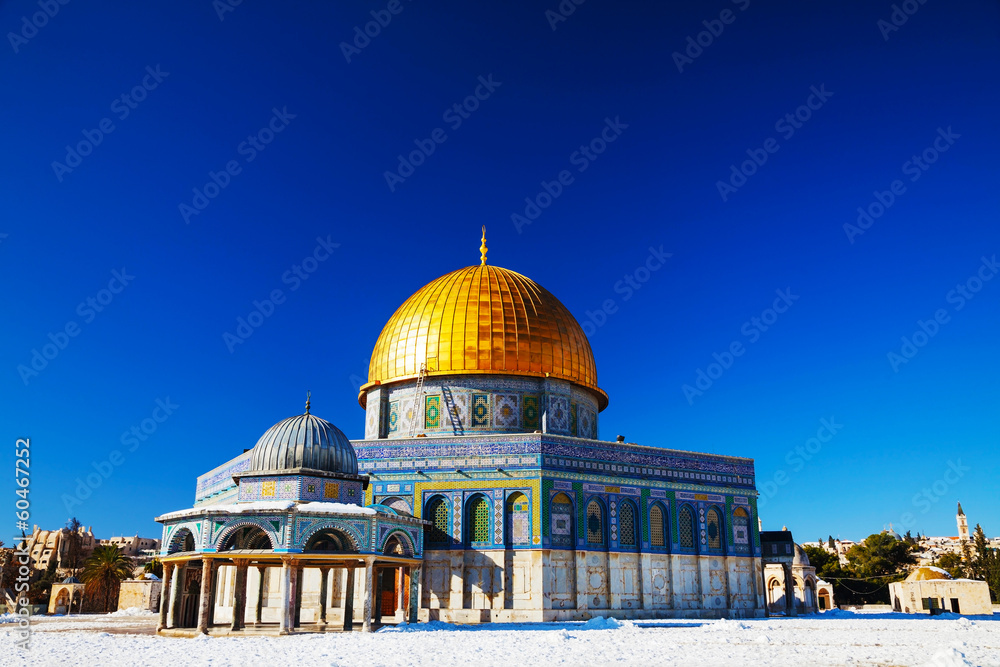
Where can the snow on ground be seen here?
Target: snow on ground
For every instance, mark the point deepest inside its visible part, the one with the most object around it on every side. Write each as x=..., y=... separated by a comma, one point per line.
x=834, y=638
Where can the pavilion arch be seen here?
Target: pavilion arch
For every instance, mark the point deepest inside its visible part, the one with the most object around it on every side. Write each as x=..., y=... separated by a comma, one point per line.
x=398, y=543
x=478, y=524
x=517, y=520
x=398, y=504
x=597, y=523
x=686, y=528
x=715, y=529
x=244, y=536
x=437, y=510
x=562, y=514
x=183, y=539
x=230, y=529
x=629, y=524
x=659, y=526
x=327, y=534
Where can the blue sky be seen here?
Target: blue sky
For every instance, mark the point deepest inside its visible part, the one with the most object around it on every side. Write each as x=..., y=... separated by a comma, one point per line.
x=175, y=164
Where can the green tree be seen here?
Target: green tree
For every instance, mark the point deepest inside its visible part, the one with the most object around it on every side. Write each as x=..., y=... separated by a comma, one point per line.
x=830, y=543
x=951, y=562
x=880, y=555
x=985, y=564
x=104, y=571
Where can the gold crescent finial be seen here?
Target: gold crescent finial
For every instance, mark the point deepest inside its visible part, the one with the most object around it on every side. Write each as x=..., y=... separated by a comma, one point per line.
x=483, y=248
x=308, y=396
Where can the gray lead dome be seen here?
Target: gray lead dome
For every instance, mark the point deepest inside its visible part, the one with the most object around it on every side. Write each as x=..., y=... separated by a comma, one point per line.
x=305, y=441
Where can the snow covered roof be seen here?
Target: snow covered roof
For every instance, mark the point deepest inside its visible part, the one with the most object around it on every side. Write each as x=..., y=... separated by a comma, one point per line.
x=270, y=506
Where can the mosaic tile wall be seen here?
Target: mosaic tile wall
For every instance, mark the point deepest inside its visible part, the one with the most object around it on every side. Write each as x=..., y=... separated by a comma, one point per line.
x=220, y=480
x=462, y=405
x=300, y=487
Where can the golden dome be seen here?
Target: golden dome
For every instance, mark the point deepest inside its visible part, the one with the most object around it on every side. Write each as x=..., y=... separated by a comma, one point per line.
x=483, y=319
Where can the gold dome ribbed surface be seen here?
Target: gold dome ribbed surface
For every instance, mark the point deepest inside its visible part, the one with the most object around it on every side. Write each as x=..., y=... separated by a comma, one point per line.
x=484, y=319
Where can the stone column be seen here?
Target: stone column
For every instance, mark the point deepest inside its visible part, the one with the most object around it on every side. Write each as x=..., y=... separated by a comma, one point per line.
x=206, y=599
x=287, y=596
x=415, y=573
x=789, y=589
x=379, y=576
x=168, y=570
x=240, y=595
x=299, y=579
x=401, y=596
x=261, y=573
x=369, y=592
x=324, y=575
x=349, y=600
x=177, y=595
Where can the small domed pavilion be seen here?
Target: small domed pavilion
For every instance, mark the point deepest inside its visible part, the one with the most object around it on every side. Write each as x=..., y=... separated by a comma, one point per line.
x=298, y=511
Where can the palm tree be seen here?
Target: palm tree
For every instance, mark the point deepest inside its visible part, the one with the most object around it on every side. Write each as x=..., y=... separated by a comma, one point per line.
x=154, y=566
x=104, y=571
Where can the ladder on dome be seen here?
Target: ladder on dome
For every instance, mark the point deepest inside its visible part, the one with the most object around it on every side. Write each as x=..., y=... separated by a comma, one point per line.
x=418, y=397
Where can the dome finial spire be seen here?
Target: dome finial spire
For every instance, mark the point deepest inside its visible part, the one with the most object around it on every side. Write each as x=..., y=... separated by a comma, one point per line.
x=483, y=248
x=308, y=396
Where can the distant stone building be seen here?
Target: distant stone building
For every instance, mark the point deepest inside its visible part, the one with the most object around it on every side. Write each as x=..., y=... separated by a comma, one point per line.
x=46, y=545
x=790, y=581
x=931, y=589
x=141, y=593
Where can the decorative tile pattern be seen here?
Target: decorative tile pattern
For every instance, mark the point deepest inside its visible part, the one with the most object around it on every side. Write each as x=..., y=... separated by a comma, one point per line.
x=572, y=419
x=558, y=415
x=713, y=529
x=393, y=416
x=505, y=412
x=519, y=516
x=562, y=520
x=432, y=412
x=480, y=410
x=530, y=419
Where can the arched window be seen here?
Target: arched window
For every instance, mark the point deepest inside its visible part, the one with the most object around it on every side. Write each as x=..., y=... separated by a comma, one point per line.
x=438, y=513
x=713, y=529
x=741, y=529
x=518, y=520
x=561, y=521
x=182, y=540
x=477, y=521
x=329, y=539
x=246, y=537
x=626, y=524
x=685, y=527
x=657, y=527
x=595, y=523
